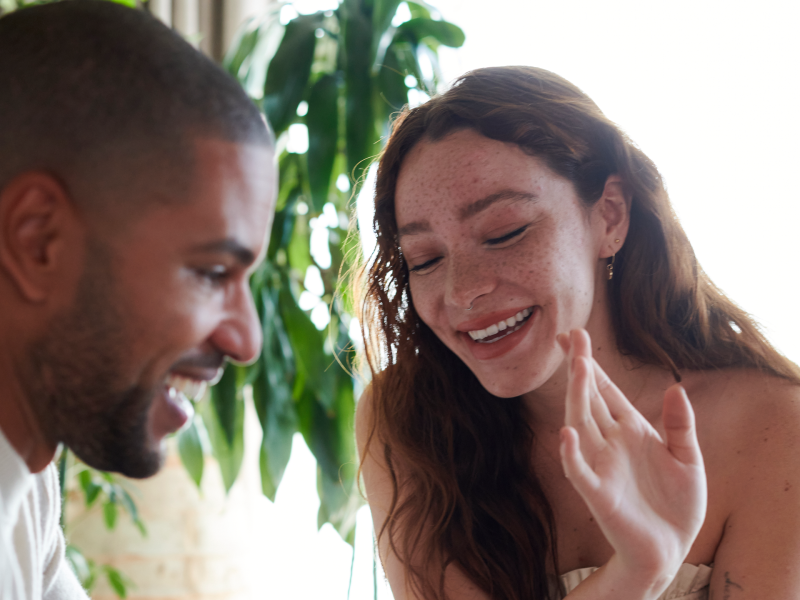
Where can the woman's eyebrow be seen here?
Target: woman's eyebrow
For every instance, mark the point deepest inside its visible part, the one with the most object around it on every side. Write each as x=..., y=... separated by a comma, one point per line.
x=414, y=228
x=480, y=205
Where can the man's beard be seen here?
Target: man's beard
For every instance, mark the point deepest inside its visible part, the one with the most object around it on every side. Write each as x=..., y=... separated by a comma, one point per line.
x=79, y=388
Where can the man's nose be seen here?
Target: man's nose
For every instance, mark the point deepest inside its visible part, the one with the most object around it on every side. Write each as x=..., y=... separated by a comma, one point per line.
x=467, y=280
x=239, y=335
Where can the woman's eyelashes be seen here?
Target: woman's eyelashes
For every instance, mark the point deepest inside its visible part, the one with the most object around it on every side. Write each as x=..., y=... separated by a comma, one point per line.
x=508, y=239
x=425, y=265
x=512, y=235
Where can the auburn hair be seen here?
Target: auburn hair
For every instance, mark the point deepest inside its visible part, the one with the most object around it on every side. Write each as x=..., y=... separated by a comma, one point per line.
x=464, y=491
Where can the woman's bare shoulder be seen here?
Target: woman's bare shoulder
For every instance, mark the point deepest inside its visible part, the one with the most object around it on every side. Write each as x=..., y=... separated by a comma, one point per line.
x=742, y=400
x=364, y=419
x=748, y=423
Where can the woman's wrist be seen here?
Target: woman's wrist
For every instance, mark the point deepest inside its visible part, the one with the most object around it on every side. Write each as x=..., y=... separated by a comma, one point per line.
x=638, y=583
x=619, y=581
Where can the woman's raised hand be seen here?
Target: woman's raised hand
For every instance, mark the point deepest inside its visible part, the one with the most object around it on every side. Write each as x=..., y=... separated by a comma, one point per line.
x=647, y=494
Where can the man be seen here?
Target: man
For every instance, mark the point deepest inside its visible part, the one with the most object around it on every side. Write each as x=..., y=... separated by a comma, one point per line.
x=137, y=186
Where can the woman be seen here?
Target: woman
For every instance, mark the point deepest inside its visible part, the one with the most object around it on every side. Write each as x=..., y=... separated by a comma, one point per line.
x=527, y=258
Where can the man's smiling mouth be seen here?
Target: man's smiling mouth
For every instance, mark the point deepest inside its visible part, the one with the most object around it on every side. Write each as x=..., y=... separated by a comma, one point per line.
x=501, y=329
x=191, y=389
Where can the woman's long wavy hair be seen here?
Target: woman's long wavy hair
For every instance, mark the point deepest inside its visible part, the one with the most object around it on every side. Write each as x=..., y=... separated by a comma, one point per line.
x=464, y=492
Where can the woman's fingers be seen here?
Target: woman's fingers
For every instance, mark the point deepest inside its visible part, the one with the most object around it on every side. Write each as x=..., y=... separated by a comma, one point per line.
x=615, y=400
x=580, y=474
x=681, y=434
x=578, y=406
x=581, y=345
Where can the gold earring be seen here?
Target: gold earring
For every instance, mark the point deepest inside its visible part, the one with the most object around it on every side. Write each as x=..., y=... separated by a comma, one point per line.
x=610, y=267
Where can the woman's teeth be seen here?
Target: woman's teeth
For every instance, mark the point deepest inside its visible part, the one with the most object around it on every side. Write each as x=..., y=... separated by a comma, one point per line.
x=509, y=325
x=190, y=388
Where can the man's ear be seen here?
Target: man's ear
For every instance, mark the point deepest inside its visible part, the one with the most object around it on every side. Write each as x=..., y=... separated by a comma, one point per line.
x=37, y=220
x=614, y=210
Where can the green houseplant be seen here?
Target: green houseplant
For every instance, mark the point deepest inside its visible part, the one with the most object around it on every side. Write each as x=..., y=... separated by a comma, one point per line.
x=338, y=77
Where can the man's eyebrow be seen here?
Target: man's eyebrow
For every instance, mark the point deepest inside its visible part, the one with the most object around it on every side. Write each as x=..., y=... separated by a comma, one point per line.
x=241, y=253
x=480, y=205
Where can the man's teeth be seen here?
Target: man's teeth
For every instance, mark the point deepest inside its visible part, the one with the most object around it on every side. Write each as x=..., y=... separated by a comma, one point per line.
x=509, y=323
x=191, y=388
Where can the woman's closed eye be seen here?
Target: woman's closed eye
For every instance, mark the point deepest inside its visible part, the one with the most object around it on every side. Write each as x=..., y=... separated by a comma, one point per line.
x=507, y=237
x=428, y=264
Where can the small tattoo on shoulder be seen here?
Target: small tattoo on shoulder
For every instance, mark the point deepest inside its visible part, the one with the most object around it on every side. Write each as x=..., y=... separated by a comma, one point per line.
x=729, y=583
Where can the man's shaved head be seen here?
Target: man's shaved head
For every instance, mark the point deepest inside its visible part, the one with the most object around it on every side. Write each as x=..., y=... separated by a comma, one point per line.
x=108, y=100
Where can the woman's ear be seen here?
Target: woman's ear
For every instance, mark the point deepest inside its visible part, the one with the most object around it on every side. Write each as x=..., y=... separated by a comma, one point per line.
x=613, y=209
x=37, y=220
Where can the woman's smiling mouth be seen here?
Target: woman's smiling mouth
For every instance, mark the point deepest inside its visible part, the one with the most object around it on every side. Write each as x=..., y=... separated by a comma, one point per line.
x=484, y=339
x=501, y=329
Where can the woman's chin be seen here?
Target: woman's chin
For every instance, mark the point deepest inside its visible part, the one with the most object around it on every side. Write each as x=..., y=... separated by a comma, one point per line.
x=509, y=389
x=512, y=383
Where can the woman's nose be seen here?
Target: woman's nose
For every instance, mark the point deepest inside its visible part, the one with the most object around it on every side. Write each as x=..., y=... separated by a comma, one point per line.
x=468, y=280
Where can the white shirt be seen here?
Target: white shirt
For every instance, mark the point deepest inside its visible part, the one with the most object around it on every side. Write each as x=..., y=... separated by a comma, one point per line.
x=32, y=563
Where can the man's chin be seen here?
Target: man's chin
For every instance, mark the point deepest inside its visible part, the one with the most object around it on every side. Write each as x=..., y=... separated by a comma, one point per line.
x=136, y=464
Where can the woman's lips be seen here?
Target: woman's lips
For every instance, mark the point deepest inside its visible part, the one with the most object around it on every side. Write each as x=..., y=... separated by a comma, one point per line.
x=497, y=345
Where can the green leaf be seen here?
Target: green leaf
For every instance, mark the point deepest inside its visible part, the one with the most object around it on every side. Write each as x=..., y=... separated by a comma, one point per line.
x=323, y=136
x=227, y=440
x=307, y=345
x=129, y=505
x=225, y=398
x=360, y=133
x=283, y=225
x=128, y=3
x=272, y=395
x=299, y=249
x=289, y=176
x=383, y=31
x=392, y=85
x=334, y=445
x=329, y=432
x=110, y=514
x=90, y=489
x=242, y=47
x=289, y=70
x=383, y=12
x=118, y=582
x=190, y=449
x=419, y=9
x=442, y=31
x=338, y=506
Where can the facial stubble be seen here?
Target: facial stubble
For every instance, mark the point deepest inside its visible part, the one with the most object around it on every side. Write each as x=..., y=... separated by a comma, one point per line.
x=81, y=390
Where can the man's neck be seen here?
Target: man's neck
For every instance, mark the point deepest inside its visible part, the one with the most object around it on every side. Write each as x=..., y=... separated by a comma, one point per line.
x=18, y=420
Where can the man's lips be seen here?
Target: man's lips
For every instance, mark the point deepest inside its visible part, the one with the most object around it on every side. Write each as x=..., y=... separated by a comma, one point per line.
x=186, y=382
x=192, y=389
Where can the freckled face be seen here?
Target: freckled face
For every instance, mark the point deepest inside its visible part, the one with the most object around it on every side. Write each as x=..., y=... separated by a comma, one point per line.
x=483, y=224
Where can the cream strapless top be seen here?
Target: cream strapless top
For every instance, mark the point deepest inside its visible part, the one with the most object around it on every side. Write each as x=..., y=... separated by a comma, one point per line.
x=691, y=582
